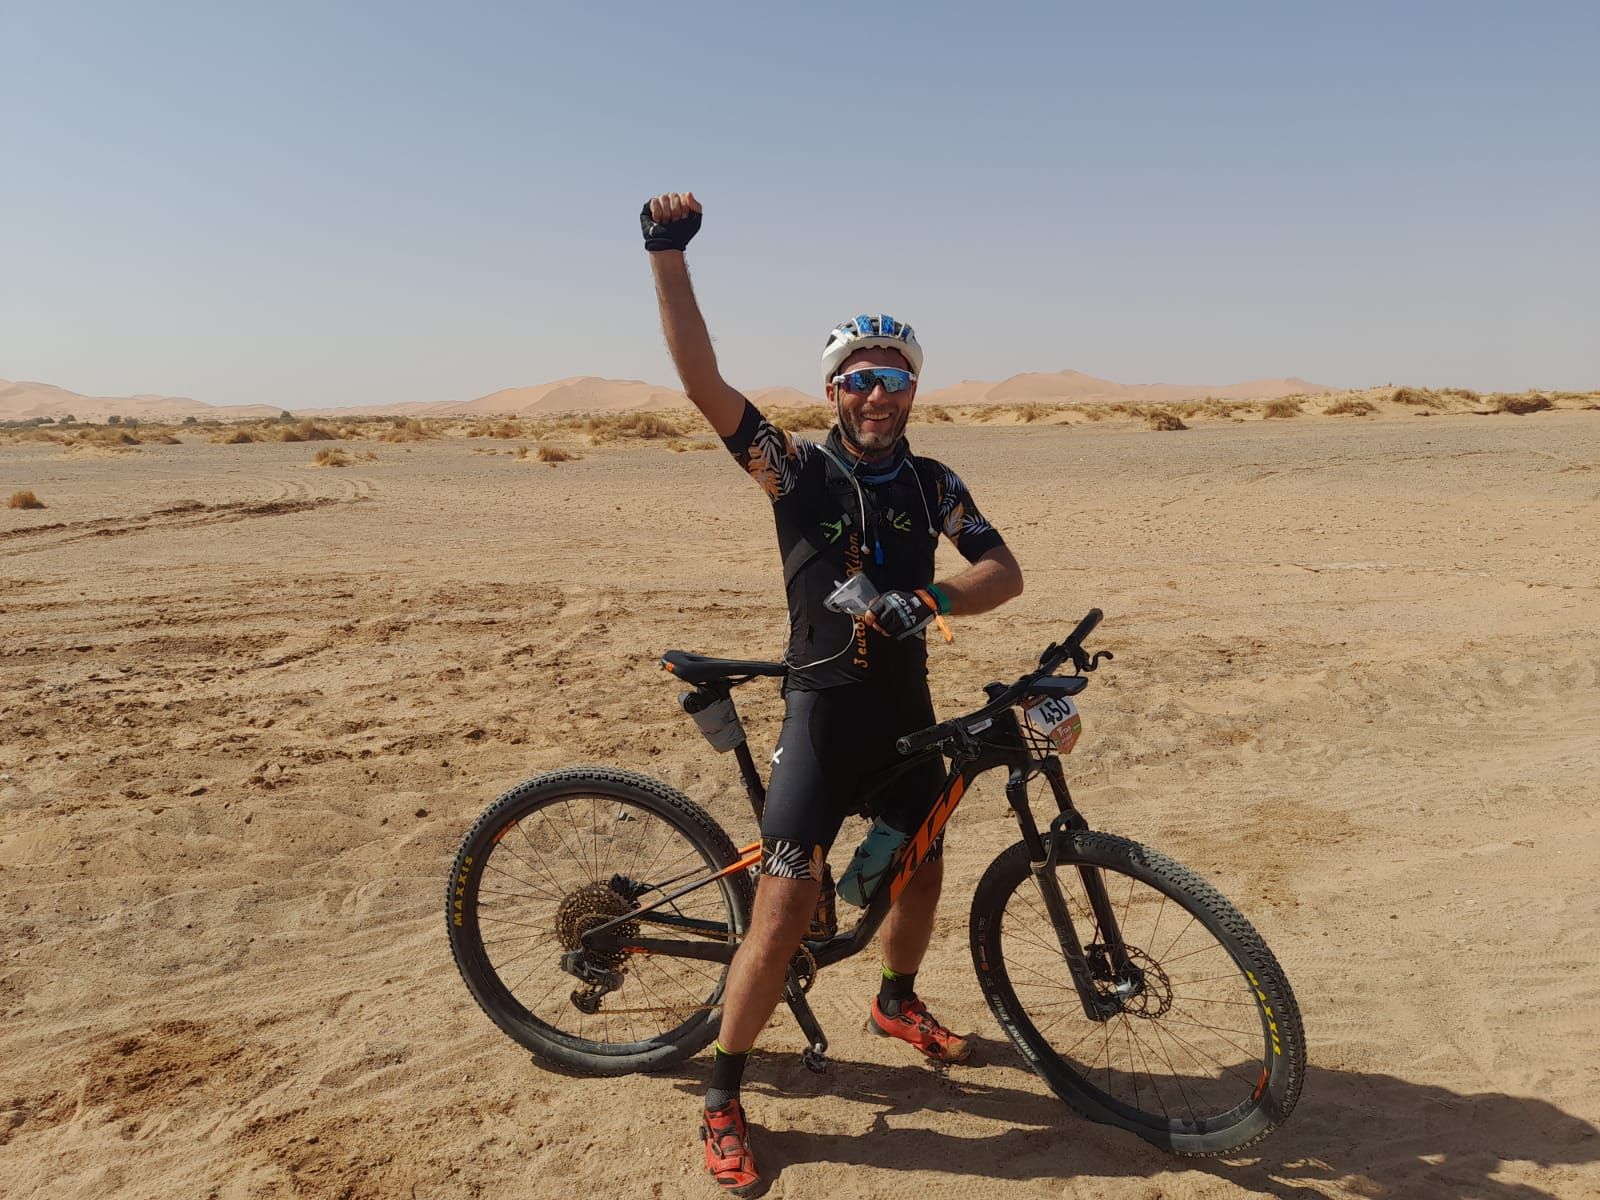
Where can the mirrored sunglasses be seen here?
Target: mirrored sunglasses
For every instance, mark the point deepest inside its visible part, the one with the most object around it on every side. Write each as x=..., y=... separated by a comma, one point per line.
x=860, y=383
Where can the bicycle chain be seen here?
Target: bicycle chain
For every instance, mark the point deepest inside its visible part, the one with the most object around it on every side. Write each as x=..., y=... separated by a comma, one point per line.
x=806, y=977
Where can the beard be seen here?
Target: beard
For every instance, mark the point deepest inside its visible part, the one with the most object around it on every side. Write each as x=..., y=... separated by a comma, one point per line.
x=871, y=444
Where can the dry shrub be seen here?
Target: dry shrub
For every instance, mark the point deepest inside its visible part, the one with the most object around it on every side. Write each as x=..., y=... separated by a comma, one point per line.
x=936, y=414
x=632, y=425
x=793, y=420
x=232, y=437
x=1095, y=412
x=1349, y=407
x=407, y=430
x=1164, y=420
x=1460, y=394
x=24, y=499
x=1517, y=405
x=1222, y=409
x=290, y=435
x=1418, y=397
x=107, y=437
x=1281, y=409
x=554, y=454
x=329, y=457
x=1029, y=413
x=506, y=429
x=310, y=431
x=164, y=439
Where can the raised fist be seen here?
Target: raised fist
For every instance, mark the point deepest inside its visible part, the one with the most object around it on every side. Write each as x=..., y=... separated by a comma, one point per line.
x=670, y=220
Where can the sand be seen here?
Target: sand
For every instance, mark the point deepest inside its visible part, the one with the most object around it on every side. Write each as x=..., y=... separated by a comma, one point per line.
x=248, y=707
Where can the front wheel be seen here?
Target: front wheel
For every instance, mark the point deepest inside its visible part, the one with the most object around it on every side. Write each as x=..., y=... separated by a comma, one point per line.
x=562, y=854
x=1196, y=1044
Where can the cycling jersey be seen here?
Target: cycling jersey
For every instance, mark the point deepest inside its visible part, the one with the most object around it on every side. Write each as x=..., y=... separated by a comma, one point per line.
x=829, y=530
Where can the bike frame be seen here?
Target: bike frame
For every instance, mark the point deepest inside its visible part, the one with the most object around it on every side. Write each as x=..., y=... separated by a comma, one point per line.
x=1002, y=745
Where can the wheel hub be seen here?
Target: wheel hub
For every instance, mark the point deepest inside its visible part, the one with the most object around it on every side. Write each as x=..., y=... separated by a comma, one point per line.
x=1140, y=989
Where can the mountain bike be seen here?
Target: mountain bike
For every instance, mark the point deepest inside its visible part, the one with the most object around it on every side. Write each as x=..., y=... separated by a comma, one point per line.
x=593, y=913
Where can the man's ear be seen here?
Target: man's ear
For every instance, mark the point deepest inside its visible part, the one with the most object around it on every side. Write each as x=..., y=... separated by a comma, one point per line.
x=827, y=390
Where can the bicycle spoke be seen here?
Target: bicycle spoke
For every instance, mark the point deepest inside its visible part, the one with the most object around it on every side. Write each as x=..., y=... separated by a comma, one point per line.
x=1173, y=1053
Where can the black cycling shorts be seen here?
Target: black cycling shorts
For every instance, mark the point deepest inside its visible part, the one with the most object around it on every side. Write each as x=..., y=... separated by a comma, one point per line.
x=832, y=744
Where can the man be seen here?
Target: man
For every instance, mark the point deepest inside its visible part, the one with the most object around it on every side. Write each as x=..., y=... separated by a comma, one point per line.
x=858, y=503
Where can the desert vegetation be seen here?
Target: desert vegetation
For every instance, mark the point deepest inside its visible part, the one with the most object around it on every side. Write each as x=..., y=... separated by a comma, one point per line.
x=1164, y=420
x=680, y=430
x=798, y=420
x=24, y=499
x=329, y=457
x=1418, y=397
x=1350, y=406
x=1519, y=404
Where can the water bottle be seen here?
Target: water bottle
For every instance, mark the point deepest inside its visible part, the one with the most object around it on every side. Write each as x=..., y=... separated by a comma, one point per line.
x=870, y=864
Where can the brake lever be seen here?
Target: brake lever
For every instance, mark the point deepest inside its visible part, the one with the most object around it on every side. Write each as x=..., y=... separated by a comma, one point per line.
x=1098, y=655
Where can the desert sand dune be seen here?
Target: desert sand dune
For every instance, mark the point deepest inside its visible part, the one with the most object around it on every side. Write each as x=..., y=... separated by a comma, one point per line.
x=592, y=394
x=249, y=707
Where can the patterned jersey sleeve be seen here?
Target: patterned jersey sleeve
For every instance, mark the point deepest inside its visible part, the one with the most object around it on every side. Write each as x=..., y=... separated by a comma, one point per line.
x=773, y=458
x=960, y=519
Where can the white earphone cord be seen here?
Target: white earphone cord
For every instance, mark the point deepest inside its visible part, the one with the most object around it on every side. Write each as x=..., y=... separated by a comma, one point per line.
x=861, y=500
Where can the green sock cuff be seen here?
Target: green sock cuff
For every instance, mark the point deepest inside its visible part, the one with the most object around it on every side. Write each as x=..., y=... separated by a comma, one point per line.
x=718, y=1048
x=888, y=974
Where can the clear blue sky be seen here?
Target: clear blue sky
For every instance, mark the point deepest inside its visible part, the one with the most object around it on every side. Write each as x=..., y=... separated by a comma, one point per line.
x=325, y=203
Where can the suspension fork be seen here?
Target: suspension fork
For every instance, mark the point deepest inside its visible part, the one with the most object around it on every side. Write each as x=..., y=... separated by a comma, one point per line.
x=1093, y=878
x=1042, y=866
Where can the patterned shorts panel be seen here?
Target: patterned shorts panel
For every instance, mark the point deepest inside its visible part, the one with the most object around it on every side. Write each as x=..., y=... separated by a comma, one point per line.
x=788, y=859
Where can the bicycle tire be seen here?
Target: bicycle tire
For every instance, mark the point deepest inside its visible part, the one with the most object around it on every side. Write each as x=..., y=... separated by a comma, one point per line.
x=1029, y=953
x=533, y=889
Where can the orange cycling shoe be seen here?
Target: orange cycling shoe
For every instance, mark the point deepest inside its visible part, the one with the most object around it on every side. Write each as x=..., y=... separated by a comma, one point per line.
x=728, y=1156
x=915, y=1024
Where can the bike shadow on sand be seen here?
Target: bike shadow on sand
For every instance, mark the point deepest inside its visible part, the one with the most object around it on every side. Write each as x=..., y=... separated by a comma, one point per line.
x=1357, y=1133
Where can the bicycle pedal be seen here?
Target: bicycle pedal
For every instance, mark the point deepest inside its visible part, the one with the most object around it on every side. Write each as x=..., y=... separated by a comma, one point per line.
x=815, y=1059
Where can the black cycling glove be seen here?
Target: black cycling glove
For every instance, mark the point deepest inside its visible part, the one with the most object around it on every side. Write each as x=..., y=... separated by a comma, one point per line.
x=674, y=235
x=901, y=614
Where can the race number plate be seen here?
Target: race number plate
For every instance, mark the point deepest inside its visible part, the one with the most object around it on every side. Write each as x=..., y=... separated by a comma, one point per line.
x=1056, y=717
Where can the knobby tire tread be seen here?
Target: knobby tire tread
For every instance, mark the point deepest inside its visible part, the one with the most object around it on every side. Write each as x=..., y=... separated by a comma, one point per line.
x=1011, y=870
x=665, y=801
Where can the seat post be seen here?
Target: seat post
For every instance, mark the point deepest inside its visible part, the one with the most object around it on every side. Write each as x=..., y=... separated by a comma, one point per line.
x=753, y=787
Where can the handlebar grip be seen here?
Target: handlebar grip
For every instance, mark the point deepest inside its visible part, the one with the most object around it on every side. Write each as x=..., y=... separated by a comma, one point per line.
x=1085, y=627
x=923, y=738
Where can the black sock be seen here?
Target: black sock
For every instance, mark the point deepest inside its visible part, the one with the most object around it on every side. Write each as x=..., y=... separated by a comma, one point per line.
x=727, y=1070
x=895, y=990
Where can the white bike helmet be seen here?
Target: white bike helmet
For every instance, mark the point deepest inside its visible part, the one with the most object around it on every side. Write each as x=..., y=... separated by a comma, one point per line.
x=864, y=332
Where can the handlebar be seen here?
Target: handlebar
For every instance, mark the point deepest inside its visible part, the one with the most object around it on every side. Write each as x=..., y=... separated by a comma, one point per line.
x=1054, y=656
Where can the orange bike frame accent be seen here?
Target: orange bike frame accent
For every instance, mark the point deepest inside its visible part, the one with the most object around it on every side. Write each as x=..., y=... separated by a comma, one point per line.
x=749, y=856
x=922, y=841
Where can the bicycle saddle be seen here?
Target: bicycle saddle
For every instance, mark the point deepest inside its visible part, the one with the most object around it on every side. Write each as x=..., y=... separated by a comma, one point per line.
x=700, y=668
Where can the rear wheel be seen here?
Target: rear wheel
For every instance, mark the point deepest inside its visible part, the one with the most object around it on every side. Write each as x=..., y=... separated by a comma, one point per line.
x=563, y=853
x=1201, y=1050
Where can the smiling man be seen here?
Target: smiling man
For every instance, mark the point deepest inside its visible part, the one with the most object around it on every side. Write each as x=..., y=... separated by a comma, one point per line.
x=857, y=504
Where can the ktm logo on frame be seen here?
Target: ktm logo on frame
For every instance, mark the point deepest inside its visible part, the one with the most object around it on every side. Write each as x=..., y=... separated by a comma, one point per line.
x=923, y=841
